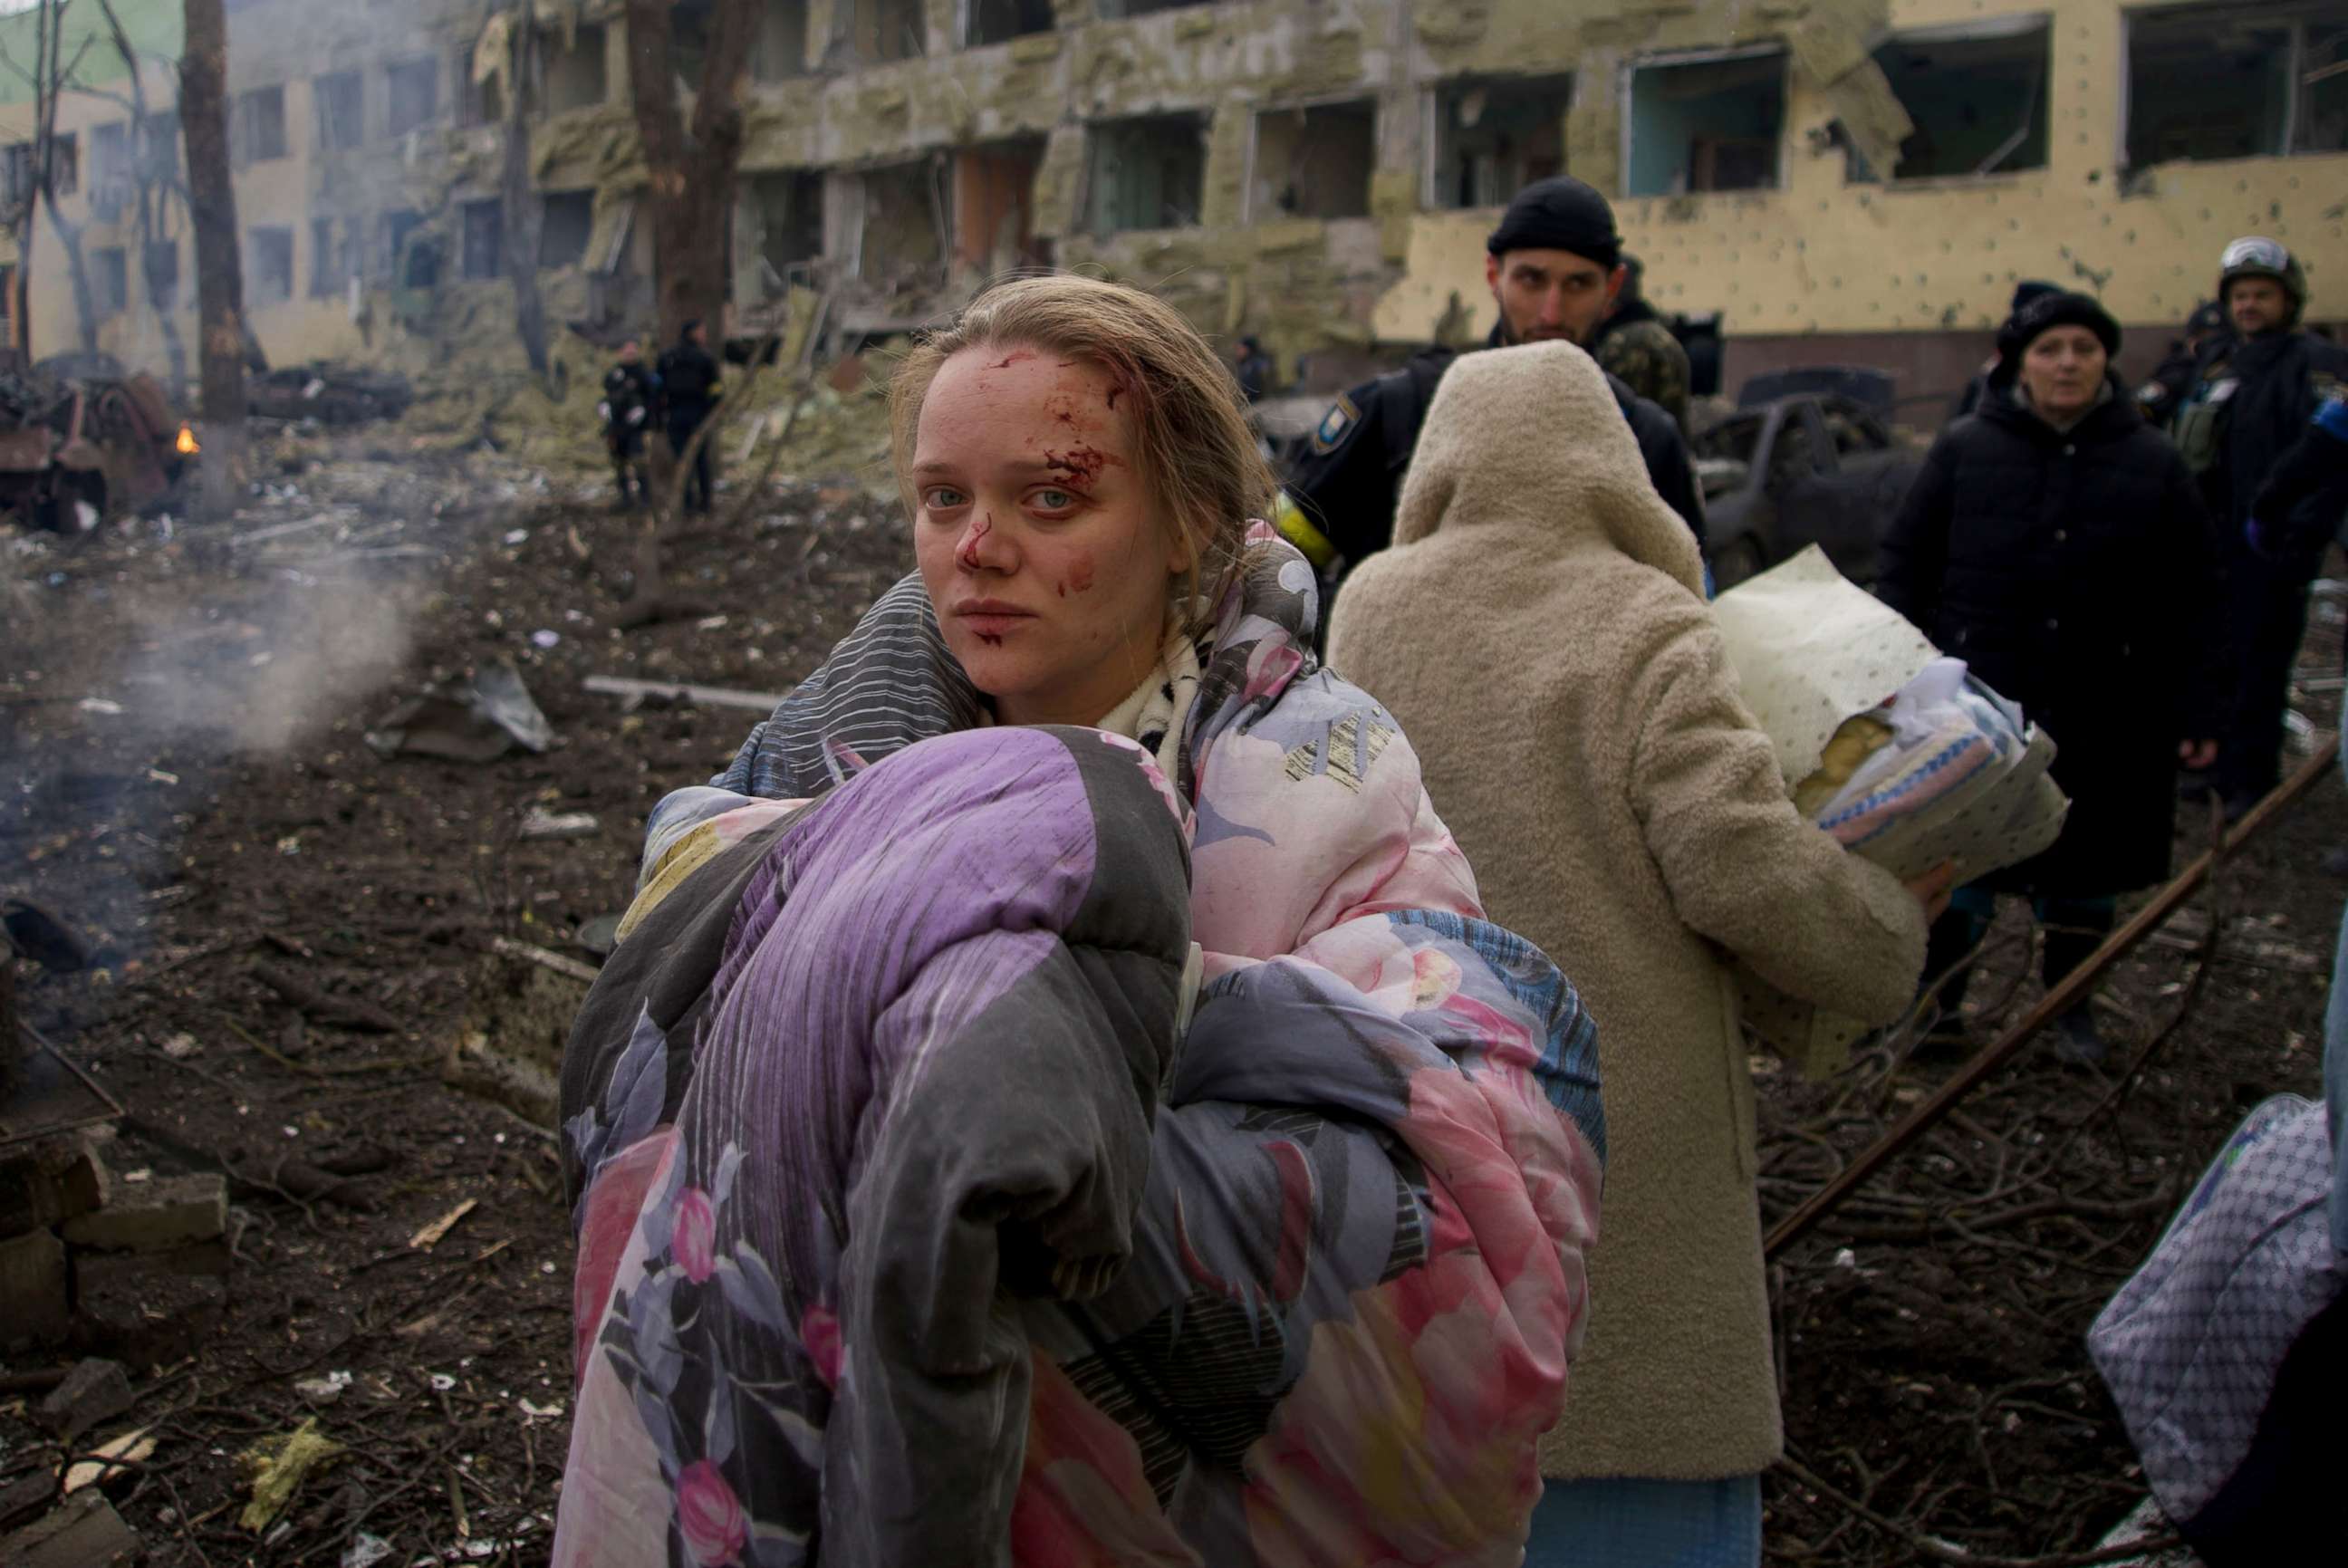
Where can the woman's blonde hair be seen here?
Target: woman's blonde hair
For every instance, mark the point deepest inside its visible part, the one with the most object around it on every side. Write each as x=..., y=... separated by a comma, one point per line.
x=1195, y=454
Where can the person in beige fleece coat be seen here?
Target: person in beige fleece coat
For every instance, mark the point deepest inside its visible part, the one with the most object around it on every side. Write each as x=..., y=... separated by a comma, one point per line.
x=1539, y=629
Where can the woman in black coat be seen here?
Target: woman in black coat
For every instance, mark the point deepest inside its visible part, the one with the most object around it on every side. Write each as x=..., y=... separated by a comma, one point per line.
x=2057, y=544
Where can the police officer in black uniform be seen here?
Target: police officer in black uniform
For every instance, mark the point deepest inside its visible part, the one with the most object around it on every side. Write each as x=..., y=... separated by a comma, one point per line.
x=1555, y=266
x=630, y=392
x=689, y=380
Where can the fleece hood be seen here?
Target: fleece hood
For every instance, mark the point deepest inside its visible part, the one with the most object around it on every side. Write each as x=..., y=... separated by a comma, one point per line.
x=1532, y=438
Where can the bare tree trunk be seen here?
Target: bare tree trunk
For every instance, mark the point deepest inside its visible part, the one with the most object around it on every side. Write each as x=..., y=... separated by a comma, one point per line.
x=220, y=275
x=690, y=169
x=524, y=217
x=77, y=271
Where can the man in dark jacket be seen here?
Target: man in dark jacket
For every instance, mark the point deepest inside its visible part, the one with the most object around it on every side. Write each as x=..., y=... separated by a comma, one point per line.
x=2158, y=397
x=1635, y=346
x=689, y=389
x=2057, y=544
x=2253, y=396
x=631, y=391
x=1555, y=267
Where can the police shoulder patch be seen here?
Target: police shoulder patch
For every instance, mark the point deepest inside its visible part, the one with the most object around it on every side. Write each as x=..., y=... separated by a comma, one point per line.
x=1340, y=417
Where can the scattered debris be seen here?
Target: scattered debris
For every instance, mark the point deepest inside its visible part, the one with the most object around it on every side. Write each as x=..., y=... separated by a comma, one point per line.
x=478, y=721
x=337, y=1012
x=642, y=694
x=430, y=1235
x=131, y=1448
x=277, y=1468
x=322, y=1390
x=160, y=1215
x=96, y=1391
x=83, y=1532
x=586, y=974
x=328, y=394
x=542, y=823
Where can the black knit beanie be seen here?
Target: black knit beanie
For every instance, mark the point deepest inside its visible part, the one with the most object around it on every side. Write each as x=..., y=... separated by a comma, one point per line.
x=1559, y=214
x=2024, y=326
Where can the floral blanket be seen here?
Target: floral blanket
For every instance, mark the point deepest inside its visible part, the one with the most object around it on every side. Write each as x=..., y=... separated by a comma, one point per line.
x=917, y=1225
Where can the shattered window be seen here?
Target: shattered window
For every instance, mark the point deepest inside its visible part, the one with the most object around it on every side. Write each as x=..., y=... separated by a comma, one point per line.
x=422, y=263
x=269, y=266
x=477, y=103
x=341, y=104
x=110, y=154
x=162, y=266
x=332, y=265
x=1315, y=162
x=569, y=220
x=1113, y=10
x=7, y=291
x=781, y=50
x=485, y=239
x=1147, y=172
x=905, y=226
x=411, y=95
x=159, y=145
x=1495, y=137
x=109, y=280
x=2221, y=82
x=19, y=175
x=994, y=197
x=260, y=125
x=891, y=30
x=1710, y=124
x=788, y=207
x=65, y=163
x=1977, y=100
x=1000, y=21
x=574, y=78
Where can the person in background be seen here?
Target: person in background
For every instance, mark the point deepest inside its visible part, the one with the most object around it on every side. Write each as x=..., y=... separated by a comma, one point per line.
x=2055, y=543
x=2310, y=484
x=1555, y=267
x=1634, y=346
x=1252, y=365
x=689, y=392
x=1969, y=399
x=1541, y=626
x=631, y=391
x=2252, y=397
x=2160, y=395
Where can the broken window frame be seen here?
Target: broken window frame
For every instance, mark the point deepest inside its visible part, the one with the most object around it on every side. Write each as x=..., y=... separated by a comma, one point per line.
x=2038, y=114
x=1662, y=60
x=966, y=19
x=1130, y=10
x=65, y=163
x=1091, y=205
x=1438, y=104
x=1304, y=110
x=550, y=55
x=162, y=304
x=2293, y=20
x=346, y=130
x=480, y=232
x=914, y=37
x=764, y=65
x=109, y=280
x=159, y=153
x=549, y=259
x=400, y=118
x=261, y=132
x=259, y=293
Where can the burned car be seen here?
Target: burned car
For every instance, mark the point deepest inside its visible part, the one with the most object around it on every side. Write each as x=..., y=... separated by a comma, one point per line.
x=75, y=448
x=1807, y=468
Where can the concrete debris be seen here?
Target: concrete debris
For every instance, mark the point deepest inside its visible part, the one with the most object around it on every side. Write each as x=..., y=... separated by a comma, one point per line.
x=276, y=1467
x=35, y=1302
x=96, y=1391
x=162, y=1215
x=478, y=721
x=84, y=1533
x=541, y=823
x=48, y=1181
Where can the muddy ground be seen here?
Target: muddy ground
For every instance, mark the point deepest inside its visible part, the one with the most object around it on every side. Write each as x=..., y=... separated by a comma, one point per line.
x=185, y=724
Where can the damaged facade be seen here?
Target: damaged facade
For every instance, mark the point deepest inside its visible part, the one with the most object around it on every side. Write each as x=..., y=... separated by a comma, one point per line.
x=1844, y=180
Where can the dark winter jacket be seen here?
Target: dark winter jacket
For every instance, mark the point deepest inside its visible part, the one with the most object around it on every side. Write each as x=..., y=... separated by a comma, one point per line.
x=2074, y=572
x=2260, y=396
x=626, y=390
x=1348, y=476
x=2308, y=488
x=688, y=379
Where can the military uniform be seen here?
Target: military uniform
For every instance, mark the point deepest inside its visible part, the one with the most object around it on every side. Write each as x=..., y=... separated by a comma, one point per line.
x=630, y=392
x=1635, y=348
x=1347, y=479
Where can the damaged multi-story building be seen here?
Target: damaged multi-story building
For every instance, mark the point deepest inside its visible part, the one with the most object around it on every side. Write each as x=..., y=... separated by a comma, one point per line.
x=1845, y=180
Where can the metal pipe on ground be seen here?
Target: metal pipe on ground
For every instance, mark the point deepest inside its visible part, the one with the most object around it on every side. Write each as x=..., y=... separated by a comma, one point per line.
x=2060, y=999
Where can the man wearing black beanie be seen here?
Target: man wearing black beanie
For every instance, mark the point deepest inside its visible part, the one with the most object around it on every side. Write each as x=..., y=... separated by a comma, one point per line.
x=1555, y=267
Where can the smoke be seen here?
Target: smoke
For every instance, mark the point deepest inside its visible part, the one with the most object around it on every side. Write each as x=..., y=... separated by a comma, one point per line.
x=259, y=683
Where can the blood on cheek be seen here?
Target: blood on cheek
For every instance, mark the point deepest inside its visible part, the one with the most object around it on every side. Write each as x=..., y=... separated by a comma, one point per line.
x=1079, y=578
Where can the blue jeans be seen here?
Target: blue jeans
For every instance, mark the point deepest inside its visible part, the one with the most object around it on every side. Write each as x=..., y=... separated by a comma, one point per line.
x=1625, y=1522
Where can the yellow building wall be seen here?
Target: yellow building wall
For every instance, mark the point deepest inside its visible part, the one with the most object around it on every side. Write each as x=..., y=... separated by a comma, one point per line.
x=1823, y=255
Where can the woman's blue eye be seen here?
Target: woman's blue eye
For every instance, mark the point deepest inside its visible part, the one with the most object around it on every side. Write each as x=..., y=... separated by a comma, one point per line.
x=945, y=498
x=1054, y=500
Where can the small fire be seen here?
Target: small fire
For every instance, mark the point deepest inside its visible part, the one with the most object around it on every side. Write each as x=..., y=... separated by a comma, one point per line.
x=188, y=448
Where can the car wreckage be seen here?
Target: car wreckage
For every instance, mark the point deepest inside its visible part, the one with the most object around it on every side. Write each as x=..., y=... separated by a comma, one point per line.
x=76, y=447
